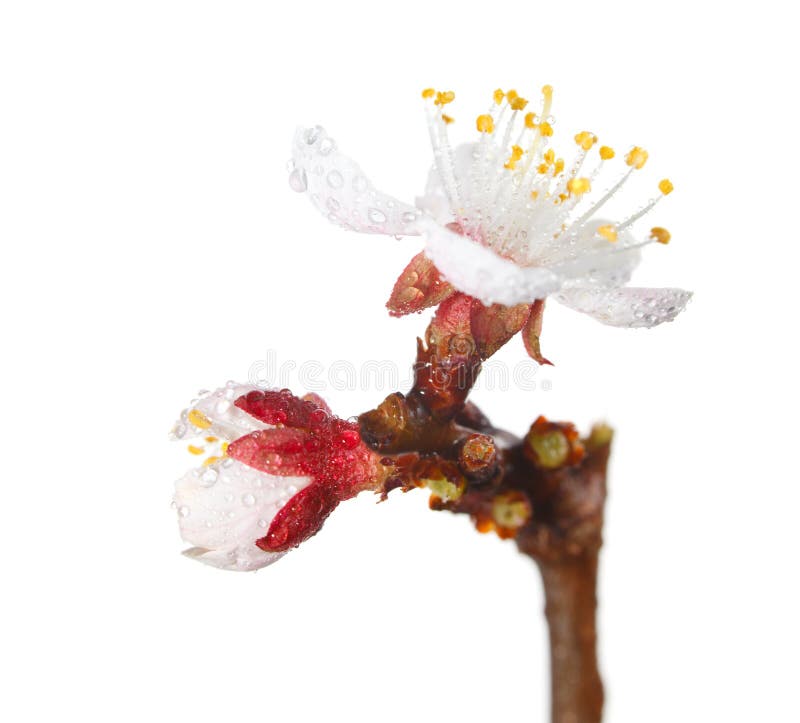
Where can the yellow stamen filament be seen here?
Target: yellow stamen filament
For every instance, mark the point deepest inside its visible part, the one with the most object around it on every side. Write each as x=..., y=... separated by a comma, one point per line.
x=608, y=232
x=585, y=140
x=195, y=450
x=665, y=186
x=198, y=419
x=498, y=96
x=606, y=153
x=660, y=234
x=578, y=186
x=443, y=98
x=636, y=157
x=428, y=93
x=485, y=123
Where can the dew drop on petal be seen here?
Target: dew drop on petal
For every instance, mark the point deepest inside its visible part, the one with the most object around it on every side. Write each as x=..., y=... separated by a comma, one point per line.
x=248, y=500
x=184, y=511
x=335, y=179
x=297, y=180
x=325, y=146
x=376, y=216
x=262, y=524
x=209, y=477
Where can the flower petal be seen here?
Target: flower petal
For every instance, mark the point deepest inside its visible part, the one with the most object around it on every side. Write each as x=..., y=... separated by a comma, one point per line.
x=214, y=413
x=419, y=287
x=480, y=272
x=592, y=261
x=341, y=191
x=225, y=507
x=627, y=307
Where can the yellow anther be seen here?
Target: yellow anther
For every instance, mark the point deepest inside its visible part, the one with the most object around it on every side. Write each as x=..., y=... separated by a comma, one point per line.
x=428, y=93
x=485, y=123
x=443, y=98
x=195, y=450
x=549, y=156
x=543, y=168
x=530, y=120
x=660, y=234
x=519, y=104
x=606, y=153
x=608, y=232
x=579, y=186
x=448, y=119
x=636, y=157
x=198, y=419
x=211, y=460
x=534, y=195
x=224, y=448
x=665, y=186
x=511, y=96
x=498, y=96
x=559, y=166
x=516, y=154
x=585, y=140
x=545, y=128
x=211, y=440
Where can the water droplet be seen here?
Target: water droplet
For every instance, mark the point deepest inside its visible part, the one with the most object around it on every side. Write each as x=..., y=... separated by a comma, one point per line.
x=326, y=146
x=376, y=216
x=297, y=180
x=248, y=500
x=312, y=134
x=209, y=477
x=359, y=184
x=229, y=497
x=184, y=511
x=263, y=524
x=333, y=205
x=335, y=179
x=409, y=217
x=231, y=515
x=178, y=431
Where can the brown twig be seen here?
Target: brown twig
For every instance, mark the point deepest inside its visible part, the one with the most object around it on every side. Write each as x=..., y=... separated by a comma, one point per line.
x=546, y=491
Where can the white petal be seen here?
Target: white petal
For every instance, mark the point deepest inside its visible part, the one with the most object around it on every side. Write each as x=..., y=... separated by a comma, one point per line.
x=627, y=307
x=592, y=261
x=341, y=191
x=228, y=422
x=225, y=507
x=479, y=272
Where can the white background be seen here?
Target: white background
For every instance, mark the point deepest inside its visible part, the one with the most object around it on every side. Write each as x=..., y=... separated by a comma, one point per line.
x=152, y=247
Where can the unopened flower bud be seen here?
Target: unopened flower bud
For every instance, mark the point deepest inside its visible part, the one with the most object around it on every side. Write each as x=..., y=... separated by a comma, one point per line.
x=478, y=456
x=510, y=511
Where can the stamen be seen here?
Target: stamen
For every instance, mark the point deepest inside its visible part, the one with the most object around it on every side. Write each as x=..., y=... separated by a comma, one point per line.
x=636, y=157
x=498, y=96
x=586, y=140
x=445, y=97
x=485, y=123
x=447, y=119
x=608, y=232
x=661, y=235
x=665, y=186
x=198, y=419
x=578, y=186
x=428, y=93
x=606, y=153
x=195, y=450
